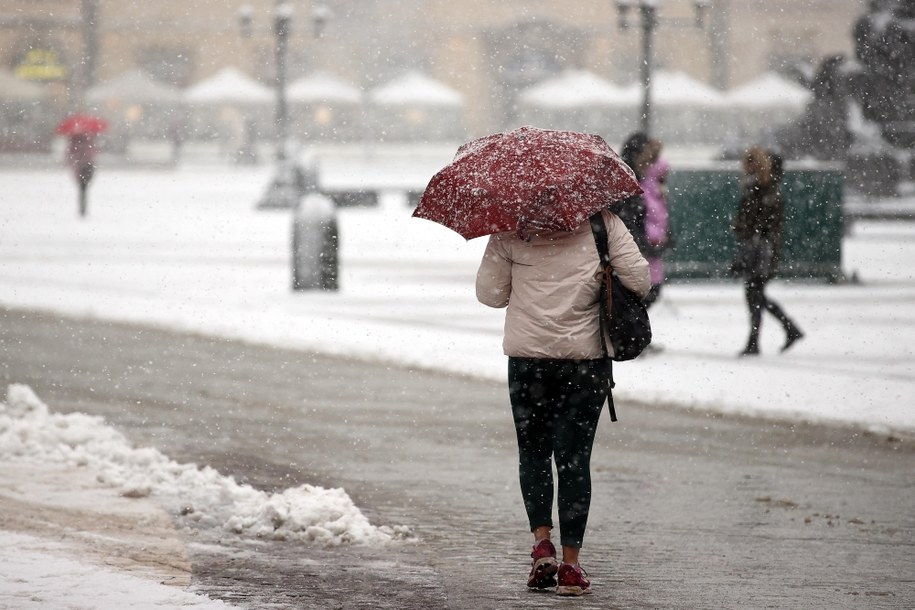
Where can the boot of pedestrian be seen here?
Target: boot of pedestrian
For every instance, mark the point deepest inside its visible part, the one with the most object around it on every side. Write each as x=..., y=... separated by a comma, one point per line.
x=793, y=335
x=752, y=348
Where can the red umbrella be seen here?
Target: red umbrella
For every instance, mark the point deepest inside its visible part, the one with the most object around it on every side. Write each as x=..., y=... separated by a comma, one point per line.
x=80, y=123
x=526, y=180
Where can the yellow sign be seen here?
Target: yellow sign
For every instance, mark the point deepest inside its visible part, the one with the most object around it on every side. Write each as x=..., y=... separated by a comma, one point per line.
x=41, y=64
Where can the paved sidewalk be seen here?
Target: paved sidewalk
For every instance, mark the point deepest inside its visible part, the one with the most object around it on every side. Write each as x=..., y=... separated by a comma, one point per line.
x=690, y=510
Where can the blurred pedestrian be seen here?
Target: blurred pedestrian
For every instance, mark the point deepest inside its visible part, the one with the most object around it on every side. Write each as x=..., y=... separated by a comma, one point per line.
x=558, y=374
x=646, y=215
x=81, y=159
x=657, y=218
x=758, y=228
x=177, y=131
x=637, y=154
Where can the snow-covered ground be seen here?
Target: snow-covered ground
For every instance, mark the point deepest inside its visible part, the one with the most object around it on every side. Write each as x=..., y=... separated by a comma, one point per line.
x=186, y=249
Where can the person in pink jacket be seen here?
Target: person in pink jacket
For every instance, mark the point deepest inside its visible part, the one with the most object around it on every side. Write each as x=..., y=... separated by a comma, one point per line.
x=657, y=222
x=558, y=375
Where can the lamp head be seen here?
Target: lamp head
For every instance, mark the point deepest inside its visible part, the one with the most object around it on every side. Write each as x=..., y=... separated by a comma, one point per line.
x=701, y=11
x=320, y=15
x=282, y=17
x=622, y=8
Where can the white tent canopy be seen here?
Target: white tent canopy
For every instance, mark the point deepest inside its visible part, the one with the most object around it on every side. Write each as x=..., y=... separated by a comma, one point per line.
x=770, y=89
x=415, y=88
x=763, y=103
x=229, y=86
x=135, y=86
x=13, y=88
x=323, y=87
x=677, y=88
x=576, y=88
x=688, y=112
x=578, y=100
x=25, y=121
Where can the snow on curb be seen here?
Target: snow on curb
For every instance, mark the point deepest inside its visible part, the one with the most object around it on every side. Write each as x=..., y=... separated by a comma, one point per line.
x=200, y=495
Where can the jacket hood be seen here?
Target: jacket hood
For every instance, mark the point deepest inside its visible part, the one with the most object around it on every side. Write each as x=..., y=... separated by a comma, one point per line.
x=553, y=234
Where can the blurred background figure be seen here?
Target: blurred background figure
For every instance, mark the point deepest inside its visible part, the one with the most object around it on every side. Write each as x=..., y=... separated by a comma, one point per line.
x=758, y=227
x=177, y=133
x=81, y=130
x=657, y=218
x=81, y=159
x=646, y=215
x=636, y=153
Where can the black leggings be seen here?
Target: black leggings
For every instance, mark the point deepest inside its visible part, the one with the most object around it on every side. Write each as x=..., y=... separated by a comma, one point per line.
x=556, y=405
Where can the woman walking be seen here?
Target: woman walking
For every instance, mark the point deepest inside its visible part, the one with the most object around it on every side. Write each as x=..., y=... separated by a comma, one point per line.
x=558, y=374
x=758, y=227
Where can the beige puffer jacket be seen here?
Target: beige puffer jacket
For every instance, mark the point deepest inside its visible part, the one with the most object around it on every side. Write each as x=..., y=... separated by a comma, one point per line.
x=551, y=287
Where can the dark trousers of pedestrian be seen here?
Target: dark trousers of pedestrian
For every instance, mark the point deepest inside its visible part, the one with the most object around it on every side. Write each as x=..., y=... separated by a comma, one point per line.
x=556, y=405
x=757, y=301
x=83, y=177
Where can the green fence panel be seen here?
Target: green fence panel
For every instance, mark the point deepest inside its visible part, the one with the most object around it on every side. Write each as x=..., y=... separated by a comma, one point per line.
x=703, y=202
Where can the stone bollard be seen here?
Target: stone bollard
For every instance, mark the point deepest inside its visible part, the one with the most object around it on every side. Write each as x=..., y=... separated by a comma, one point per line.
x=314, y=244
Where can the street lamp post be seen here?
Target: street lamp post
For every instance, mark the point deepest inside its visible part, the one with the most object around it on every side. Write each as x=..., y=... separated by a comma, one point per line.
x=281, y=20
x=284, y=191
x=648, y=11
x=90, y=49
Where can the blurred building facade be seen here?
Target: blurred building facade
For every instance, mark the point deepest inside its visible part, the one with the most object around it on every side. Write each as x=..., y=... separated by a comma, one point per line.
x=488, y=51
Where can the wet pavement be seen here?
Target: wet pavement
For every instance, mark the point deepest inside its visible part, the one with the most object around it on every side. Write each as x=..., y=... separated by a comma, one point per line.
x=690, y=509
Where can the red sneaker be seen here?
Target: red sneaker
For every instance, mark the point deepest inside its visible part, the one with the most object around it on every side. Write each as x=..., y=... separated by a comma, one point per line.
x=573, y=580
x=543, y=566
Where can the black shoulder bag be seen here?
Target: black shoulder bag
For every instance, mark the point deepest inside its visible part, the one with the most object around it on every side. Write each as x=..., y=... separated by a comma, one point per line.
x=623, y=315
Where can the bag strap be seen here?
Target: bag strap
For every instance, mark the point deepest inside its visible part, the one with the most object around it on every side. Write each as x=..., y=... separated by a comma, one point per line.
x=599, y=231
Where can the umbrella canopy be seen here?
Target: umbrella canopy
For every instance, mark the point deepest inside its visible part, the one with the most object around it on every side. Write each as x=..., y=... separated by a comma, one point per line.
x=526, y=180
x=81, y=124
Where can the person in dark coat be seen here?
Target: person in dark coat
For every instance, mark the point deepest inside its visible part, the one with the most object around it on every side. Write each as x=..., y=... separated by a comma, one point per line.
x=81, y=159
x=758, y=228
x=636, y=153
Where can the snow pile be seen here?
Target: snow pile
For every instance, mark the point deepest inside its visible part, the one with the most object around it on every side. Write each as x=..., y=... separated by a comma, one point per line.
x=202, y=496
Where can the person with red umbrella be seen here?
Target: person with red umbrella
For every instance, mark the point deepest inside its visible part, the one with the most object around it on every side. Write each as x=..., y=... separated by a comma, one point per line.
x=536, y=193
x=82, y=130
